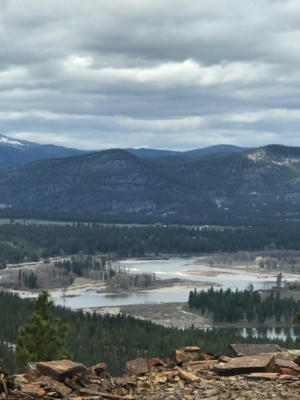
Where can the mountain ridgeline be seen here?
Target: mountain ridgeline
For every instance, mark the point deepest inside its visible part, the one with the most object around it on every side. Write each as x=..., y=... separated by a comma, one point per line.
x=251, y=185
x=154, y=153
x=16, y=152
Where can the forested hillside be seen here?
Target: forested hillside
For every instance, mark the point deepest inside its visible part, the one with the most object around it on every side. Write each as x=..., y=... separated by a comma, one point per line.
x=234, y=306
x=112, y=181
x=254, y=185
x=19, y=242
x=113, y=339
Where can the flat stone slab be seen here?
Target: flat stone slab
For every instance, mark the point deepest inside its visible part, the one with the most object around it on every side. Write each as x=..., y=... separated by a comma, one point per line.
x=61, y=369
x=248, y=364
x=245, y=349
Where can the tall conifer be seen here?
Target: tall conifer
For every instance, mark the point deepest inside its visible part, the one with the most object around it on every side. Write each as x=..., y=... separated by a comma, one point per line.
x=43, y=338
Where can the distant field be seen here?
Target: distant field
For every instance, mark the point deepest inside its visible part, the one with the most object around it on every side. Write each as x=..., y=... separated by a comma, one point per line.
x=4, y=221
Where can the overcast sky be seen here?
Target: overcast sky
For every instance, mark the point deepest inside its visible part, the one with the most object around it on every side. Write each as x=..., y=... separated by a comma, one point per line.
x=175, y=74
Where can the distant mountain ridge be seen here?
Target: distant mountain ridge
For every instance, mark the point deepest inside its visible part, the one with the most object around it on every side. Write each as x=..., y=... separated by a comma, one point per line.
x=15, y=152
x=260, y=184
x=110, y=181
x=155, y=153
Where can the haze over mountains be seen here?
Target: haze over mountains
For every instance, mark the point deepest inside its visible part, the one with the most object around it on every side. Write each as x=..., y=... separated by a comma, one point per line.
x=217, y=184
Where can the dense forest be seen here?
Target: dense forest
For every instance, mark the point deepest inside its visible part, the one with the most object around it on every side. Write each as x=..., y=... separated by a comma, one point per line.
x=114, y=339
x=246, y=305
x=22, y=242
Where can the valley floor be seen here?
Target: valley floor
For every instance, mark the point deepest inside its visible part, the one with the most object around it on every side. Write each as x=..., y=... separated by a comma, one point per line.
x=175, y=315
x=166, y=314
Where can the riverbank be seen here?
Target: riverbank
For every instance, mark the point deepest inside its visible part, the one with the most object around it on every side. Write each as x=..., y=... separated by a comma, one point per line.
x=82, y=285
x=167, y=314
x=176, y=276
x=178, y=315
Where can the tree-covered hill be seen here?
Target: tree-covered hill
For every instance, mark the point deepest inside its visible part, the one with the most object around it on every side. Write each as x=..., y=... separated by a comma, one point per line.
x=255, y=185
x=112, y=339
x=20, y=242
x=16, y=152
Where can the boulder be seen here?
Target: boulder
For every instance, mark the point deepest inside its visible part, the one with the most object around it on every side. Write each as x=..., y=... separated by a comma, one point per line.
x=155, y=362
x=287, y=367
x=186, y=354
x=139, y=366
x=99, y=369
x=33, y=390
x=188, y=376
x=60, y=370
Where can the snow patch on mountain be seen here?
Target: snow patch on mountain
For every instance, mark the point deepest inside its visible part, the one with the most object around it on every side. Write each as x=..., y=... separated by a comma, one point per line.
x=8, y=141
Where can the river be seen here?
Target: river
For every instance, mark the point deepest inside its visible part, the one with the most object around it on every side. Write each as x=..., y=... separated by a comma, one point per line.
x=190, y=268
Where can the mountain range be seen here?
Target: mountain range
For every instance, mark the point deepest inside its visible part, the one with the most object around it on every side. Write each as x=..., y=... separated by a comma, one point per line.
x=154, y=153
x=259, y=184
x=16, y=152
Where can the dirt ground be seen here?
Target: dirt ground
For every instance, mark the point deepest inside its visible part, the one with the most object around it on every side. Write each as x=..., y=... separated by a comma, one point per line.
x=167, y=314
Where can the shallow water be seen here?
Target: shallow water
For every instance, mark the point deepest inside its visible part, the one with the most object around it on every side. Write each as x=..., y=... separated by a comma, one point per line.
x=174, y=267
x=178, y=267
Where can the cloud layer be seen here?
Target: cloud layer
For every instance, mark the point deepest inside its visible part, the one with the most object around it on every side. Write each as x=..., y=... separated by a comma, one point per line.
x=165, y=74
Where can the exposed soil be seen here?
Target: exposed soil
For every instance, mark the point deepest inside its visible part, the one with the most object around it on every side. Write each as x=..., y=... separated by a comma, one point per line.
x=166, y=314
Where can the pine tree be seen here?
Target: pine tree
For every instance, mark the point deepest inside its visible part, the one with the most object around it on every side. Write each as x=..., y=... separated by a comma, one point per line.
x=43, y=338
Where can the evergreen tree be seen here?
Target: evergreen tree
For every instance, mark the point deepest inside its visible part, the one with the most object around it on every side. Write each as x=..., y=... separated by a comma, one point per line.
x=43, y=338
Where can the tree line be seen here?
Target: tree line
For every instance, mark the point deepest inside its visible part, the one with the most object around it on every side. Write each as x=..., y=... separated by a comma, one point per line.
x=21, y=242
x=93, y=338
x=247, y=305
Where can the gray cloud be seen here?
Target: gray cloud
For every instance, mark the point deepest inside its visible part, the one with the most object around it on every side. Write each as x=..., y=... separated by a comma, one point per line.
x=168, y=74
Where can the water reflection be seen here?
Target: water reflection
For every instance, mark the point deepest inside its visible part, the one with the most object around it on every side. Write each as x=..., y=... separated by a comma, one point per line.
x=281, y=333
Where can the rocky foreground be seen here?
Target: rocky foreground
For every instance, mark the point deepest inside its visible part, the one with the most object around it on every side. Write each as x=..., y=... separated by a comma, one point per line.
x=186, y=374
